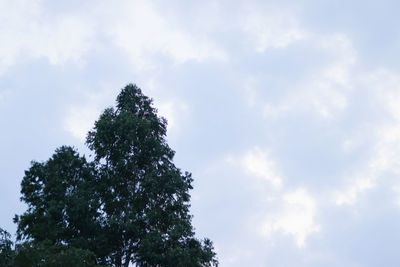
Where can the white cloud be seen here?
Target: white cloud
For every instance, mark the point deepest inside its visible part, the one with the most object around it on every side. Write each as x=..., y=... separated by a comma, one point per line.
x=350, y=194
x=297, y=209
x=30, y=31
x=27, y=31
x=329, y=87
x=385, y=158
x=259, y=163
x=142, y=32
x=66, y=39
x=324, y=91
x=383, y=87
x=80, y=117
x=173, y=111
x=296, y=218
x=386, y=86
x=275, y=29
x=14, y=24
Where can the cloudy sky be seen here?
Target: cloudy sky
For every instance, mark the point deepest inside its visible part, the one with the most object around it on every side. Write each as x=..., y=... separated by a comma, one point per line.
x=286, y=112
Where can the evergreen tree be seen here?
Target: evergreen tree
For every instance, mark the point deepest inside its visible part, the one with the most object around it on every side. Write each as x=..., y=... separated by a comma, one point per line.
x=130, y=205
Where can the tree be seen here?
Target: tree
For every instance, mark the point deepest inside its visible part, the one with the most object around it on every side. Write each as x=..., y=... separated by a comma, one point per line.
x=131, y=204
x=46, y=254
x=62, y=203
x=42, y=254
x=6, y=250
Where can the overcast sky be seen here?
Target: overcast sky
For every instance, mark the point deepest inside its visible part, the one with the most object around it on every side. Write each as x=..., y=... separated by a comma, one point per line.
x=286, y=112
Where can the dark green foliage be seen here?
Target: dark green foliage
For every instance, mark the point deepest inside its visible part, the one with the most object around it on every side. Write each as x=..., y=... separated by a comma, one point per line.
x=42, y=254
x=6, y=250
x=62, y=203
x=46, y=254
x=130, y=205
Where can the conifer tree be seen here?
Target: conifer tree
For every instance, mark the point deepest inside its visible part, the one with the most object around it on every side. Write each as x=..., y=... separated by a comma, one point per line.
x=130, y=205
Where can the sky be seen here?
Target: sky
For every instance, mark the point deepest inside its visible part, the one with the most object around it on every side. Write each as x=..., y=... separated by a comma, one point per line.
x=287, y=113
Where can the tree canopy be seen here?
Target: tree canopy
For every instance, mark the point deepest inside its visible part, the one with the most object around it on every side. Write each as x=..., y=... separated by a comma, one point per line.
x=129, y=205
